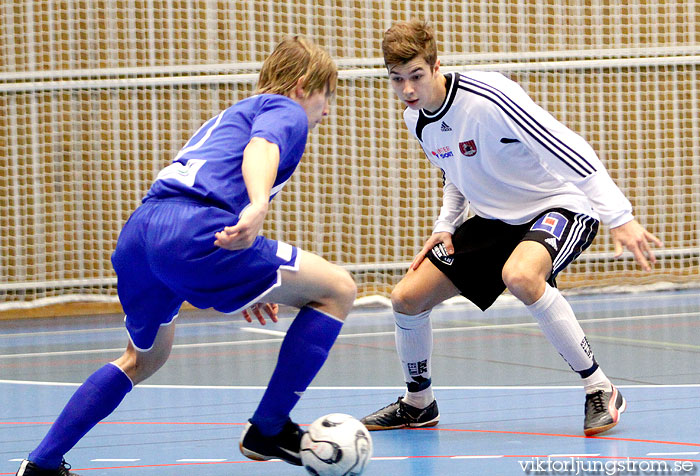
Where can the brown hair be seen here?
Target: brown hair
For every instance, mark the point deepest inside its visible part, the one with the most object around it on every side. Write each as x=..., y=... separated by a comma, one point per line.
x=295, y=58
x=407, y=40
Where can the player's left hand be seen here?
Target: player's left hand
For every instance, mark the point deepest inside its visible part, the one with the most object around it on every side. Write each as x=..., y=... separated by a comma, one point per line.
x=270, y=309
x=635, y=238
x=242, y=235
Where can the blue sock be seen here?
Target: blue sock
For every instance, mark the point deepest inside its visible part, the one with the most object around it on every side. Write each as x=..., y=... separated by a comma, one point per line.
x=303, y=352
x=95, y=399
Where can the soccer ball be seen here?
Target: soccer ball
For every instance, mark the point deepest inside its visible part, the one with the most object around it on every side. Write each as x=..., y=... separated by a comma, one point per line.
x=336, y=445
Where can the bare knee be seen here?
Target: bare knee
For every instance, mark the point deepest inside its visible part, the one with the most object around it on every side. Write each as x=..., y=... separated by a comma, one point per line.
x=346, y=289
x=405, y=301
x=341, y=294
x=138, y=366
x=523, y=283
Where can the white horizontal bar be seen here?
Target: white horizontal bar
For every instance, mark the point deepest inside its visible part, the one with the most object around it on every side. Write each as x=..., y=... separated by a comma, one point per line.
x=379, y=72
x=352, y=63
x=67, y=283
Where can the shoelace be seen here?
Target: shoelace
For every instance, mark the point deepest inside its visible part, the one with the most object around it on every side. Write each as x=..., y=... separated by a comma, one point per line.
x=596, y=400
x=392, y=404
x=398, y=410
x=403, y=412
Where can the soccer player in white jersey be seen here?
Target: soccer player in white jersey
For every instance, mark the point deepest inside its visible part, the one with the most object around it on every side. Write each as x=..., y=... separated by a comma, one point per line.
x=537, y=191
x=196, y=238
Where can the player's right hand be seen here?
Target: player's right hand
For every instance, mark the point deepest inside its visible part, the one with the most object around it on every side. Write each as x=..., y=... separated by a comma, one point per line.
x=243, y=234
x=443, y=237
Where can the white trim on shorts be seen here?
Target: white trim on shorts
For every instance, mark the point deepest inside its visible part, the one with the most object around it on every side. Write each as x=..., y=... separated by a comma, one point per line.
x=163, y=324
x=581, y=224
x=276, y=284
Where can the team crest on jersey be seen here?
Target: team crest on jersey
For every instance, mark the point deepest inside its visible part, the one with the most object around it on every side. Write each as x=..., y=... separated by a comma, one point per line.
x=552, y=223
x=468, y=148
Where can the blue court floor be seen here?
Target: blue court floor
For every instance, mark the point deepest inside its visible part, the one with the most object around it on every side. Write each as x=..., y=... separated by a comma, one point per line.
x=509, y=404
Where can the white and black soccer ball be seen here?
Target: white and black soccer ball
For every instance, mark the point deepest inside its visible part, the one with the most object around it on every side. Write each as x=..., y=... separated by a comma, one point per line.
x=336, y=445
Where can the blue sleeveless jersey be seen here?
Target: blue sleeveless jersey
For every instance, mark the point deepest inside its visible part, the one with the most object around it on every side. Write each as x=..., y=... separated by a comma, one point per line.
x=165, y=253
x=208, y=168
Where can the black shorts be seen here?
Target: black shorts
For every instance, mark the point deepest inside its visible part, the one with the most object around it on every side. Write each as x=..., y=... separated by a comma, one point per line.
x=483, y=246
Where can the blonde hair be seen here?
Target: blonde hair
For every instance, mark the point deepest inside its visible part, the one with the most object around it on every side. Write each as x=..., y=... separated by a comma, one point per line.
x=407, y=40
x=295, y=58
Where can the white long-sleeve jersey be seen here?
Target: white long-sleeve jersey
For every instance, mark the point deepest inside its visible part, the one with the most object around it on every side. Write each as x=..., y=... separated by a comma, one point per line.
x=509, y=158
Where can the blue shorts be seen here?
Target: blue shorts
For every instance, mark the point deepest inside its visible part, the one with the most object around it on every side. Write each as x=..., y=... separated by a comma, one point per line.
x=165, y=255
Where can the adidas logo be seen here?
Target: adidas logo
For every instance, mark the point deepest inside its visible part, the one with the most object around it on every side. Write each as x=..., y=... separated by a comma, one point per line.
x=552, y=242
x=444, y=127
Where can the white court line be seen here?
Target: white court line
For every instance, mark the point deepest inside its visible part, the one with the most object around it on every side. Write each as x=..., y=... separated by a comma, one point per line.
x=363, y=388
x=388, y=458
x=505, y=301
x=573, y=455
x=535, y=324
x=679, y=453
x=477, y=457
x=268, y=332
x=349, y=336
x=115, y=460
x=200, y=460
x=111, y=329
x=121, y=349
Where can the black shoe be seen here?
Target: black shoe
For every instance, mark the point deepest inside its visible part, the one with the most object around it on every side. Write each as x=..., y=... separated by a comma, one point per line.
x=285, y=445
x=402, y=415
x=603, y=410
x=27, y=468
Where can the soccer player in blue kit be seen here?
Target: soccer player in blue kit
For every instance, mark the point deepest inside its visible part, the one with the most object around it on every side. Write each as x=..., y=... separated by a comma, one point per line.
x=196, y=238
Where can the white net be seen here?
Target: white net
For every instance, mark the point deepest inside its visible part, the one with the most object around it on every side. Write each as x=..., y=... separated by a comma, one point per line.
x=96, y=97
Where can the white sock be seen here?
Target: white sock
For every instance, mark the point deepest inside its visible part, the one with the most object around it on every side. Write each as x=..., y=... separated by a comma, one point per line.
x=597, y=381
x=414, y=344
x=419, y=399
x=559, y=324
